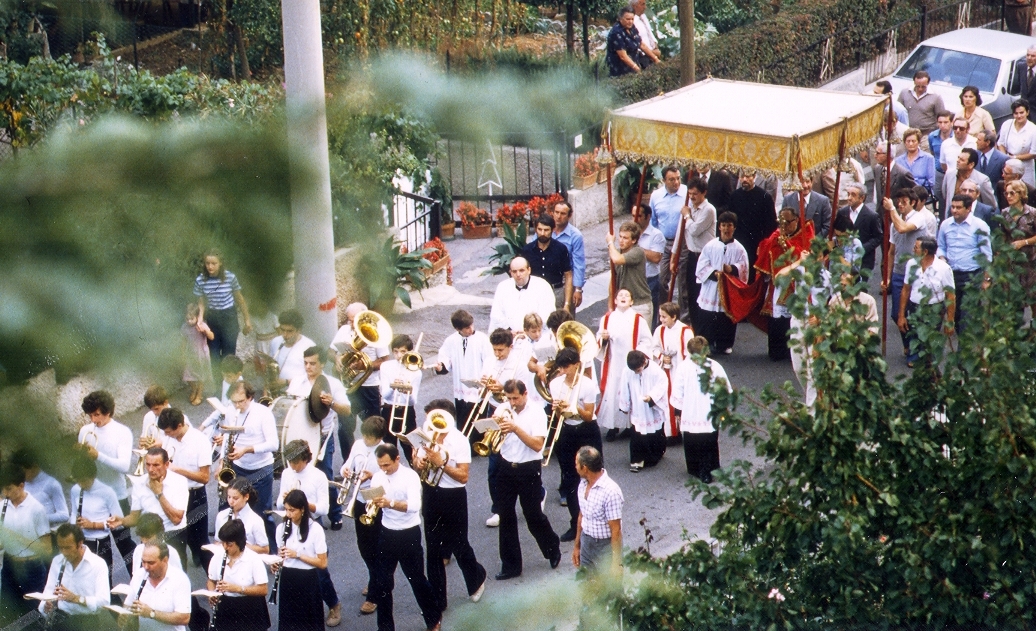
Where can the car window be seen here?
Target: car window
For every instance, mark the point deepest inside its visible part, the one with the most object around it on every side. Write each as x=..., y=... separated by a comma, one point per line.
x=1012, y=89
x=953, y=67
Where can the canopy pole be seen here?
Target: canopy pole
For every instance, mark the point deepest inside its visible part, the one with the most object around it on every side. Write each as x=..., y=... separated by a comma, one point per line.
x=838, y=179
x=674, y=256
x=640, y=187
x=890, y=126
x=611, y=230
x=802, y=199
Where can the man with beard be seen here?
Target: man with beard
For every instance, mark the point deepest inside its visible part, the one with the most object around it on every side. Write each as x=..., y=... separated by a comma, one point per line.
x=756, y=218
x=549, y=259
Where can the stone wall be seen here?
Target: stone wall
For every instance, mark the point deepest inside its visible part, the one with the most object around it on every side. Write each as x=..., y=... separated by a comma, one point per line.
x=590, y=206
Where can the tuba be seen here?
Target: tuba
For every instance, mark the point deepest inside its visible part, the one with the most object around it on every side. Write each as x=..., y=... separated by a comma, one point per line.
x=369, y=329
x=437, y=423
x=493, y=438
x=572, y=335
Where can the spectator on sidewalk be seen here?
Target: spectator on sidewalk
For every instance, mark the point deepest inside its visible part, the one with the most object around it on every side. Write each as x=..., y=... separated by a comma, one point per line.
x=550, y=260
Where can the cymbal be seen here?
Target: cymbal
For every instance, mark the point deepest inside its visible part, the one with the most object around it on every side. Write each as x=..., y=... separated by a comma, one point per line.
x=317, y=408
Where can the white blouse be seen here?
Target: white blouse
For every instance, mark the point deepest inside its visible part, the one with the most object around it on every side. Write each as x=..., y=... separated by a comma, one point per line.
x=247, y=570
x=315, y=544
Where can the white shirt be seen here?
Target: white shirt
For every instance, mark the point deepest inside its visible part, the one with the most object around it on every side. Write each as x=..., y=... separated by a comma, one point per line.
x=653, y=383
x=701, y=227
x=644, y=29
x=392, y=371
x=172, y=594
x=651, y=239
x=89, y=580
x=362, y=458
x=465, y=358
x=138, y=562
x=937, y=279
x=689, y=397
x=533, y=420
x=950, y=149
x=402, y=486
x=99, y=503
x=174, y=489
x=515, y=366
x=290, y=357
x=191, y=454
x=458, y=449
x=311, y=481
x=255, y=527
x=588, y=391
x=302, y=386
x=314, y=545
x=672, y=341
x=1018, y=142
x=246, y=570
x=510, y=305
x=345, y=336
x=114, y=446
x=151, y=420
x=260, y=433
x=22, y=525
x=49, y=493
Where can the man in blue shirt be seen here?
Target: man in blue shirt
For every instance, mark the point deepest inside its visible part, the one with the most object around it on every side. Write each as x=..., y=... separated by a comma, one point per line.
x=667, y=205
x=569, y=236
x=963, y=243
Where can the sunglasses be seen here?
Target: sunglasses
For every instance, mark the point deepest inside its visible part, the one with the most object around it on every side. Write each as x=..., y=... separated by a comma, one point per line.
x=959, y=128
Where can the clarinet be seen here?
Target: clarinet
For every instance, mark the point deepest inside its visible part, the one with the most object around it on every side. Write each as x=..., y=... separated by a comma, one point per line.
x=79, y=504
x=49, y=624
x=277, y=578
x=215, y=608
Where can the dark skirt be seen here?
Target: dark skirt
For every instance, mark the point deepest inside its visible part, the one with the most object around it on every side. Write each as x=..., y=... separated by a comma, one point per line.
x=243, y=613
x=647, y=448
x=701, y=453
x=301, y=608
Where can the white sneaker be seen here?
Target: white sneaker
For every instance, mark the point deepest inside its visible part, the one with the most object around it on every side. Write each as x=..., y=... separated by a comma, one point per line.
x=477, y=596
x=543, y=504
x=493, y=521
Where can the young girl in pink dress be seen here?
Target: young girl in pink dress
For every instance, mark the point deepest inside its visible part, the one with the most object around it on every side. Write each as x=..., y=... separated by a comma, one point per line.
x=197, y=366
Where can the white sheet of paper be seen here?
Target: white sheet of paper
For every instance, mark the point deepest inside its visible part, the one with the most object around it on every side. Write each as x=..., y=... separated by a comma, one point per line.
x=486, y=424
x=417, y=439
x=276, y=512
x=122, y=611
x=217, y=405
x=206, y=593
x=370, y=494
x=215, y=548
x=270, y=559
x=40, y=596
x=471, y=383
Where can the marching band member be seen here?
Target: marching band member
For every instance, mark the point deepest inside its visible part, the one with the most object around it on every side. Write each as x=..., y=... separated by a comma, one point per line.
x=338, y=401
x=232, y=369
x=151, y=531
x=576, y=432
x=464, y=354
x=534, y=342
x=693, y=404
x=156, y=399
x=644, y=395
x=25, y=541
x=303, y=552
x=399, y=539
x=670, y=349
x=93, y=502
x=79, y=579
x=44, y=488
x=366, y=400
x=163, y=600
x=165, y=494
x=288, y=347
x=240, y=576
x=620, y=332
x=445, y=509
x=192, y=459
x=240, y=497
x=252, y=457
x=399, y=387
x=519, y=479
x=363, y=462
x=110, y=444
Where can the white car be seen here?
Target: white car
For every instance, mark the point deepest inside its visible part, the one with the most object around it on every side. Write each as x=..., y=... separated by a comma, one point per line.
x=973, y=56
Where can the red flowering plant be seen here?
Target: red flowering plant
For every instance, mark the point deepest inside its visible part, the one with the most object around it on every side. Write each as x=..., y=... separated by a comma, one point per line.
x=435, y=252
x=540, y=205
x=512, y=215
x=471, y=215
x=586, y=164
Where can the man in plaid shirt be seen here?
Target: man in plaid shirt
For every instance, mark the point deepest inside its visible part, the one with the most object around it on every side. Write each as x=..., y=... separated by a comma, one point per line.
x=599, y=528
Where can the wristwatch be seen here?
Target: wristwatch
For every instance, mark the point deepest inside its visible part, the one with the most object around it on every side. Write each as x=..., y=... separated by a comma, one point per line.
x=152, y=614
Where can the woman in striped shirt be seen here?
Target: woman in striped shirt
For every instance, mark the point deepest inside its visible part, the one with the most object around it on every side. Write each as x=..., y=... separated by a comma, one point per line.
x=219, y=296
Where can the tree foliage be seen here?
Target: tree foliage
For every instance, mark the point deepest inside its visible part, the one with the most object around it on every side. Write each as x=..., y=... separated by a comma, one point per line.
x=894, y=504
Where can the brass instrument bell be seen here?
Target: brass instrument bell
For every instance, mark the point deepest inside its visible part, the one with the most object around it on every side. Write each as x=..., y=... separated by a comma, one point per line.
x=370, y=329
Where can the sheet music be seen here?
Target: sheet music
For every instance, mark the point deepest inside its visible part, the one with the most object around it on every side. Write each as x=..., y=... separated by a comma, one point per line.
x=485, y=424
x=371, y=494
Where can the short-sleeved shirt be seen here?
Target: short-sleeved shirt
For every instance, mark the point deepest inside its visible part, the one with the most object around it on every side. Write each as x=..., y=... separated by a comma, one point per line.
x=98, y=504
x=402, y=486
x=191, y=453
x=315, y=544
x=255, y=528
x=459, y=451
x=602, y=504
x=310, y=481
x=937, y=279
x=632, y=275
x=218, y=292
x=533, y=420
x=550, y=264
x=247, y=570
x=621, y=39
x=174, y=488
x=651, y=240
x=925, y=224
x=173, y=594
x=138, y=564
x=588, y=391
x=21, y=526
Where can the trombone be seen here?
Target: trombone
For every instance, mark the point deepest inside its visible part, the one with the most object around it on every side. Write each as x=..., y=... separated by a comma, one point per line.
x=572, y=335
x=413, y=362
x=558, y=417
x=493, y=439
x=437, y=423
x=484, y=394
x=369, y=329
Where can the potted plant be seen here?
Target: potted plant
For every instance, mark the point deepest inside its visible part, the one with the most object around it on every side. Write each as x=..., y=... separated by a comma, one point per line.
x=437, y=254
x=584, y=173
x=439, y=189
x=449, y=226
x=476, y=222
x=513, y=215
x=388, y=272
x=543, y=206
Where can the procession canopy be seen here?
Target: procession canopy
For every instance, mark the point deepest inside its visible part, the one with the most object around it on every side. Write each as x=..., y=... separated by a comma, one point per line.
x=737, y=126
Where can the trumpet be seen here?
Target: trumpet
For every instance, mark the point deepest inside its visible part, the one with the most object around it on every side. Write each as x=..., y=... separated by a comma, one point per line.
x=370, y=514
x=147, y=440
x=370, y=329
x=350, y=490
x=437, y=423
x=493, y=439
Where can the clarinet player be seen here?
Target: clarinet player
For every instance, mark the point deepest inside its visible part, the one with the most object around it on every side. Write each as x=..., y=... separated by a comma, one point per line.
x=240, y=576
x=79, y=579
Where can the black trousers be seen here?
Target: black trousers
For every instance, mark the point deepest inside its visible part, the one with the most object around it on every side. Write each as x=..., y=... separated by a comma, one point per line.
x=196, y=534
x=647, y=448
x=178, y=539
x=17, y=579
x=366, y=402
x=585, y=434
x=103, y=549
x=123, y=541
x=692, y=288
x=409, y=425
x=367, y=544
x=717, y=328
x=701, y=453
x=403, y=548
x=225, y=329
x=960, y=290
x=463, y=411
x=522, y=482
x=445, y=514
x=777, y=338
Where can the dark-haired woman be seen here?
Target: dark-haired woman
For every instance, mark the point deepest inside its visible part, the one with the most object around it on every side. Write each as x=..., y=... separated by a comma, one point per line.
x=241, y=497
x=304, y=551
x=240, y=576
x=219, y=298
x=1016, y=139
x=977, y=118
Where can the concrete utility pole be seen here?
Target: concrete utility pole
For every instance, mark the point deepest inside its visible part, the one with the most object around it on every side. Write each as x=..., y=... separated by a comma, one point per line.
x=686, y=15
x=311, y=222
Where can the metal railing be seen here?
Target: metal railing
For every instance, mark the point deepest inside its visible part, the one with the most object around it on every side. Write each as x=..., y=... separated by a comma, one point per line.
x=415, y=219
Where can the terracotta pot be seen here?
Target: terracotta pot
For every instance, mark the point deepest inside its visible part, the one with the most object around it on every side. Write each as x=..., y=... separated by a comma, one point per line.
x=583, y=182
x=477, y=232
x=449, y=230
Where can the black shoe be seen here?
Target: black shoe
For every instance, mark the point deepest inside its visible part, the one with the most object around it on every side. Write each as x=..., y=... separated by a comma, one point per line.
x=555, y=560
x=503, y=576
x=626, y=433
x=336, y=525
x=611, y=434
x=570, y=535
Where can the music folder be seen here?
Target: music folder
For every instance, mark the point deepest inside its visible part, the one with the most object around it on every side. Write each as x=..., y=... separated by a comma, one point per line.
x=372, y=493
x=486, y=424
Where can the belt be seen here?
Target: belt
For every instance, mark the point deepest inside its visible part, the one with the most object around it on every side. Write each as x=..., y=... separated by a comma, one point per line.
x=528, y=464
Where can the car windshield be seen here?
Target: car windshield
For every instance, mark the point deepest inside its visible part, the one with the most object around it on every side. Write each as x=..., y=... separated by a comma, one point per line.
x=953, y=67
